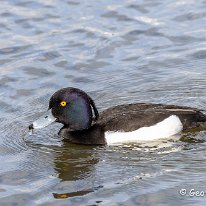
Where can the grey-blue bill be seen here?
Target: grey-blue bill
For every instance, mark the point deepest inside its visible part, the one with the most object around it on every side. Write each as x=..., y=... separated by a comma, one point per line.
x=43, y=121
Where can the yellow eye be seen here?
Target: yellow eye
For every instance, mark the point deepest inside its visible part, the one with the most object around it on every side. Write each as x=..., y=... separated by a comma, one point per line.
x=63, y=103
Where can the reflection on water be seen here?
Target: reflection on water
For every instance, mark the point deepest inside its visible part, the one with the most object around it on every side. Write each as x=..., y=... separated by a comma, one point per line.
x=74, y=163
x=118, y=52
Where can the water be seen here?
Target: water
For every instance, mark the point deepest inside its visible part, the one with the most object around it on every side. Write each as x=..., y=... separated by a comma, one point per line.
x=119, y=52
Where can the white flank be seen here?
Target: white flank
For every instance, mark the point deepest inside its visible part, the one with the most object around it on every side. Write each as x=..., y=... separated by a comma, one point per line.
x=164, y=129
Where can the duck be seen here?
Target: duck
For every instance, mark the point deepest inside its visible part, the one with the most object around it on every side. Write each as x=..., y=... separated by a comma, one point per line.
x=136, y=122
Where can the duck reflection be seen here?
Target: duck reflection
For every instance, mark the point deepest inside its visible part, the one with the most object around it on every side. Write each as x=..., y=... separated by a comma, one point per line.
x=73, y=164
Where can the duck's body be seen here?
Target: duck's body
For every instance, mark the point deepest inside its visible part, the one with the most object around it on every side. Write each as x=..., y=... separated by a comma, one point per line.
x=130, y=122
x=134, y=116
x=124, y=119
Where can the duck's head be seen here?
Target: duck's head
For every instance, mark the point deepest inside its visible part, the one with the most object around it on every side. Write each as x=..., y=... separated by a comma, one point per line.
x=71, y=107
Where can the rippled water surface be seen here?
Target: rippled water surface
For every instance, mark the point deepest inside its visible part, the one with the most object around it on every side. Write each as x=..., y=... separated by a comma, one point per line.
x=119, y=52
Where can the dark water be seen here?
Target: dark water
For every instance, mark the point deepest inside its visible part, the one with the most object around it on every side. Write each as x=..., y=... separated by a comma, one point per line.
x=119, y=52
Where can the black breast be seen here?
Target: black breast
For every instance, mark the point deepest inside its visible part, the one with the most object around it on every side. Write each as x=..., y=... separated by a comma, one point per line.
x=92, y=136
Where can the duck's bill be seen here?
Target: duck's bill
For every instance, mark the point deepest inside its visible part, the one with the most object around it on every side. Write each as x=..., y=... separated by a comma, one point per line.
x=43, y=121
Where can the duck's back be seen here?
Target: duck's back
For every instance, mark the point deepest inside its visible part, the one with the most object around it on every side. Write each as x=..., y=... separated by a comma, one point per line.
x=134, y=116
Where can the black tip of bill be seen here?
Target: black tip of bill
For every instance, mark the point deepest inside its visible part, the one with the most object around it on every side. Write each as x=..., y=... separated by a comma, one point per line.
x=31, y=127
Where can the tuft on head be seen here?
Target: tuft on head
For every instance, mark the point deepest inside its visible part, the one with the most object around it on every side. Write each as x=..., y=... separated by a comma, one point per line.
x=73, y=108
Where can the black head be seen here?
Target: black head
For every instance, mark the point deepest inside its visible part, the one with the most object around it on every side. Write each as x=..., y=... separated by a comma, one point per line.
x=73, y=108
